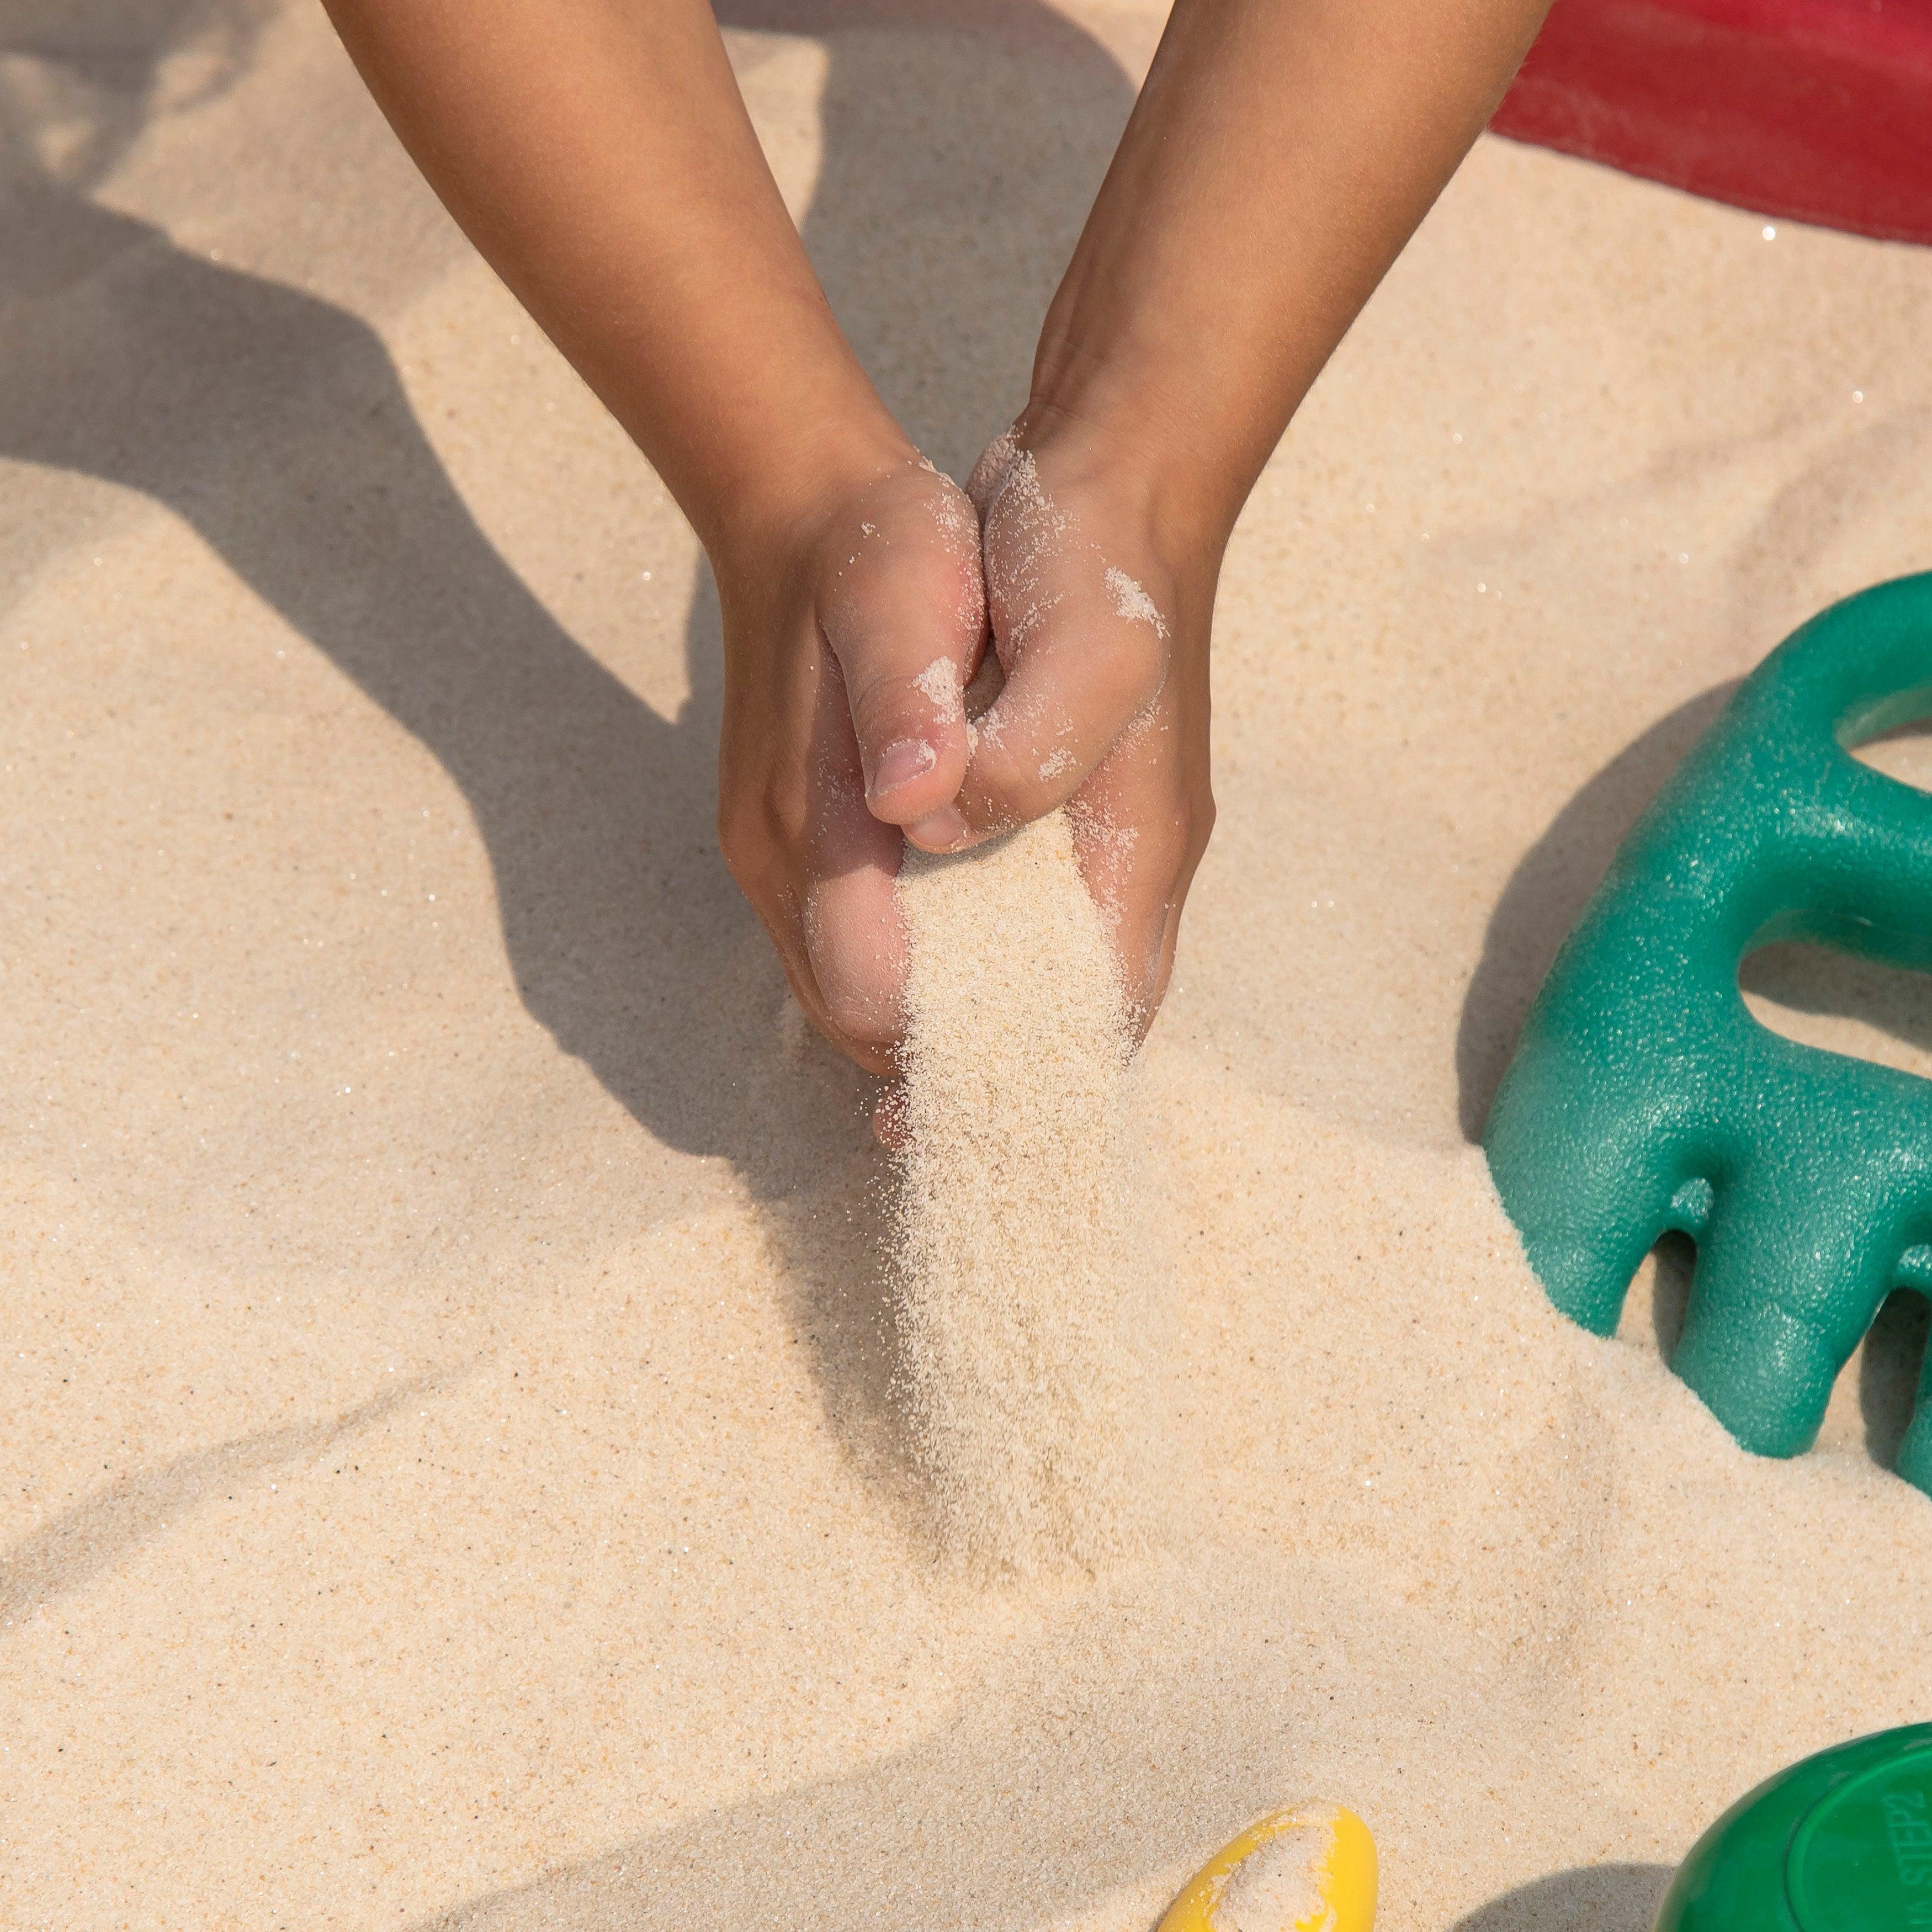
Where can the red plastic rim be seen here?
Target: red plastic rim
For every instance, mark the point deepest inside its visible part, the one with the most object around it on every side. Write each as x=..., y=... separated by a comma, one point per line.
x=1820, y=110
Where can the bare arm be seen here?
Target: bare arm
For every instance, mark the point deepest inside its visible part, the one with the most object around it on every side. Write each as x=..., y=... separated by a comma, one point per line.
x=599, y=155
x=1280, y=155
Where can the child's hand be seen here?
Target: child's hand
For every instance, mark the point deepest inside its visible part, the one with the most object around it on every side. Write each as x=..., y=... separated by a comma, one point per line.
x=1278, y=156
x=849, y=634
x=1100, y=608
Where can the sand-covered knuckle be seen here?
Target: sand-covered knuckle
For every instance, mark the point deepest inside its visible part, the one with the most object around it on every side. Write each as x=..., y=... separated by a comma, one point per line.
x=908, y=577
x=889, y=705
x=1136, y=663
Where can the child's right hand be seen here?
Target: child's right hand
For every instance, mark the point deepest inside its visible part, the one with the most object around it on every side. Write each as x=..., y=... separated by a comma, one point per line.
x=1101, y=564
x=600, y=155
x=851, y=628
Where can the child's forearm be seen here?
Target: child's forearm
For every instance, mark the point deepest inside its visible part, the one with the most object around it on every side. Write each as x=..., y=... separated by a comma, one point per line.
x=599, y=153
x=1280, y=155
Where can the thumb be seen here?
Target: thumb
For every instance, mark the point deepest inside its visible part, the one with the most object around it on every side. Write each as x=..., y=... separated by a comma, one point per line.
x=905, y=620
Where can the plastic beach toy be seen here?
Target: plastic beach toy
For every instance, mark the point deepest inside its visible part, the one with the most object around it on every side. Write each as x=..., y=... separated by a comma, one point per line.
x=1820, y=110
x=1308, y=1868
x=1644, y=1097
x=1840, y=1843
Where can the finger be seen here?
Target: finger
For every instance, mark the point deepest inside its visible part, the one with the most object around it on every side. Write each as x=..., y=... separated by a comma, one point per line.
x=855, y=945
x=818, y=869
x=779, y=901
x=780, y=911
x=854, y=941
x=805, y=989
x=906, y=619
x=1140, y=826
x=1085, y=650
x=1132, y=868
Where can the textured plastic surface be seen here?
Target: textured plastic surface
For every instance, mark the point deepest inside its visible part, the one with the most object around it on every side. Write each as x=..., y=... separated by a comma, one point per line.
x=1819, y=109
x=1840, y=1843
x=1643, y=1096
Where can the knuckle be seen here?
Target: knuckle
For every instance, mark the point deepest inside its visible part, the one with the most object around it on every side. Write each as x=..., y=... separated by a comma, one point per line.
x=1137, y=662
x=896, y=702
x=886, y=706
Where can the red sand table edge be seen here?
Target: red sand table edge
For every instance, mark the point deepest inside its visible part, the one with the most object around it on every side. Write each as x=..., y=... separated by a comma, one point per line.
x=1819, y=110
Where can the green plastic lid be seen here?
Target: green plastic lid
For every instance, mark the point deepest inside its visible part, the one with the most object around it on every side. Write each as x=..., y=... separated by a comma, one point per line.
x=1840, y=1843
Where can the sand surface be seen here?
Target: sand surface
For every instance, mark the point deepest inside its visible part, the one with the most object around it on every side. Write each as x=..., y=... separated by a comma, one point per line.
x=448, y=1467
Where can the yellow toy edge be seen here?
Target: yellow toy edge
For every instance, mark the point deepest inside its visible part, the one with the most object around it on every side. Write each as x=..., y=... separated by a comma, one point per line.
x=1348, y=1880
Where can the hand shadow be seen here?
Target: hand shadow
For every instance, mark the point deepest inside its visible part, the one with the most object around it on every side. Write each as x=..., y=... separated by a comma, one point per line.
x=1593, y=1898
x=957, y=162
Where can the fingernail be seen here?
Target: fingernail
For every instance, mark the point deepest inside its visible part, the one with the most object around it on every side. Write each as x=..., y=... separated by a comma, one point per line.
x=941, y=831
x=899, y=763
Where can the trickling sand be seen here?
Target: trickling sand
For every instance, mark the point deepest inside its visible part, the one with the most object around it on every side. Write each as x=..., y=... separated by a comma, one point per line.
x=451, y=1474
x=1027, y=1237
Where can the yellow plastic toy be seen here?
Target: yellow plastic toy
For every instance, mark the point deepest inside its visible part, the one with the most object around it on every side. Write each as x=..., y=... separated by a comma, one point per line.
x=1309, y=1868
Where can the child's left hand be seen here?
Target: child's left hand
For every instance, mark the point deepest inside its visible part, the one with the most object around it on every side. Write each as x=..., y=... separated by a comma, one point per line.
x=851, y=627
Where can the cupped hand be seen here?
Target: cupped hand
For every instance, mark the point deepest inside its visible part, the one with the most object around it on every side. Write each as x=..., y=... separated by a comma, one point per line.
x=851, y=631
x=1099, y=609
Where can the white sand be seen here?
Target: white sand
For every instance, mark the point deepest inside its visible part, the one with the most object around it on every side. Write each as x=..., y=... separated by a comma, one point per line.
x=449, y=1472
x=1026, y=1234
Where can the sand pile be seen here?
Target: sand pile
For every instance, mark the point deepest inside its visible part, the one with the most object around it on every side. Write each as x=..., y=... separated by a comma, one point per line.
x=1029, y=1289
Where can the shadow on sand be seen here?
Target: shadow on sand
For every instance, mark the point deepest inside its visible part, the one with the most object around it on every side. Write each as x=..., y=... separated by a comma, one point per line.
x=1594, y=1898
x=275, y=425
x=106, y=1528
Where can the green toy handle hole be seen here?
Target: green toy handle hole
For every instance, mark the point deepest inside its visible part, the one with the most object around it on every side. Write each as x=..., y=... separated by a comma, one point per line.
x=1806, y=990
x=1901, y=717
